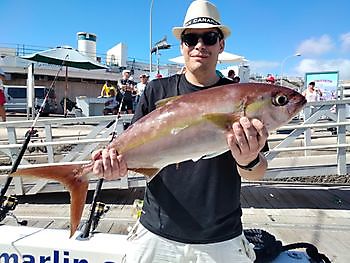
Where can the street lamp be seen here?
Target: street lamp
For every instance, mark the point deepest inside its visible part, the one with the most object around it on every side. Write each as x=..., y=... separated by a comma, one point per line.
x=162, y=44
x=150, y=37
x=284, y=60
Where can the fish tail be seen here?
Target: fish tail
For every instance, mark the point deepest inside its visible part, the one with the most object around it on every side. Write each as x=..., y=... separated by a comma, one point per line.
x=73, y=177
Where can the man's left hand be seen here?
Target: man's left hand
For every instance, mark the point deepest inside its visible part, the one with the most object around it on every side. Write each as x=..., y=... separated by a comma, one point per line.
x=246, y=139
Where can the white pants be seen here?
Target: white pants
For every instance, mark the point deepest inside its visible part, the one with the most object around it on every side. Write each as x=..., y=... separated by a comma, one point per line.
x=146, y=247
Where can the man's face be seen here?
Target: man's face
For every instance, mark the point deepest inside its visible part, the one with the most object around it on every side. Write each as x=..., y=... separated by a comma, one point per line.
x=201, y=48
x=143, y=79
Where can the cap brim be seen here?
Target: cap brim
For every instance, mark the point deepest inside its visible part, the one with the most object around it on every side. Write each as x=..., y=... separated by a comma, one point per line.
x=177, y=31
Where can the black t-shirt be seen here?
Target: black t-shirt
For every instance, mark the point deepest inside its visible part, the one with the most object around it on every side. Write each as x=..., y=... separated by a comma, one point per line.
x=127, y=91
x=191, y=202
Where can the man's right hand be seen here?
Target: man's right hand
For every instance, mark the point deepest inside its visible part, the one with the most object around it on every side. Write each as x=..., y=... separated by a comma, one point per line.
x=109, y=164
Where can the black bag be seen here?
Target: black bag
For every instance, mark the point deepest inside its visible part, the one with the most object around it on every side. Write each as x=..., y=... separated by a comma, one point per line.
x=267, y=248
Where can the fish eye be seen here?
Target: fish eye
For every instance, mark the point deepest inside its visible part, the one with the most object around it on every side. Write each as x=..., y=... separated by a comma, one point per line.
x=280, y=100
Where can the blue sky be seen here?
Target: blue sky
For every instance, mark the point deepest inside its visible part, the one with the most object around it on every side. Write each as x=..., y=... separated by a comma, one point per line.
x=265, y=32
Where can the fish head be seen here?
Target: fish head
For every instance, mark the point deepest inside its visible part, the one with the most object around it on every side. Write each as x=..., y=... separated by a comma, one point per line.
x=274, y=105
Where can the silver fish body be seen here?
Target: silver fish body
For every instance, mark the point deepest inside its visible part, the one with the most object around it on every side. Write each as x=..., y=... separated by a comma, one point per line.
x=187, y=127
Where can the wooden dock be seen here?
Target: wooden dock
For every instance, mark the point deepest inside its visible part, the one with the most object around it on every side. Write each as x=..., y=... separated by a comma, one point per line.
x=293, y=213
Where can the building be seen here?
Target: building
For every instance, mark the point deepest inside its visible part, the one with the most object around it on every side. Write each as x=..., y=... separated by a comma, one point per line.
x=80, y=81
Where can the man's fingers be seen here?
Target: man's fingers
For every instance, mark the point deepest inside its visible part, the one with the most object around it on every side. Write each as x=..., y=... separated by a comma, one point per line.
x=98, y=168
x=261, y=130
x=123, y=169
x=95, y=155
x=106, y=161
x=240, y=137
x=232, y=142
x=250, y=134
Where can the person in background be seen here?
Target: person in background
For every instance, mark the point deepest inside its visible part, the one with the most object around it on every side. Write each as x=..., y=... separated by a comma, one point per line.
x=2, y=96
x=106, y=89
x=142, y=84
x=112, y=105
x=236, y=79
x=231, y=74
x=192, y=210
x=140, y=87
x=311, y=93
x=270, y=79
x=127, y=87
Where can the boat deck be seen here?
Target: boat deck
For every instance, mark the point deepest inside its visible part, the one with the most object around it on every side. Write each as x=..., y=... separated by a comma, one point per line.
x=293, y=213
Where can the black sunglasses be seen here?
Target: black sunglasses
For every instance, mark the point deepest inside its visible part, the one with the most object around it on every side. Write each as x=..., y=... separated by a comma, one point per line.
x=208, y=38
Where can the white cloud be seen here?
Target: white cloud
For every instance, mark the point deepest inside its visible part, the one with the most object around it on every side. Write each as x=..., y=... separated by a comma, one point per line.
x=316, y=46
x=345, y=41
x=314, y=65
x=264, y=66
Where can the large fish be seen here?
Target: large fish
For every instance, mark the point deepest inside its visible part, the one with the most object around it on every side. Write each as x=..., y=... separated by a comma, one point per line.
x=187, y=127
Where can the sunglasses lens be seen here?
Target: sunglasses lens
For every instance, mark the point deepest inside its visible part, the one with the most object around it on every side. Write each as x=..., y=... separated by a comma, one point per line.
x=190, y=39
x=209, y=38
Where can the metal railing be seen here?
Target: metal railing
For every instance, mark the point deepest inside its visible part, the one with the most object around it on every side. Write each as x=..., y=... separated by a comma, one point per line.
x=294, y=149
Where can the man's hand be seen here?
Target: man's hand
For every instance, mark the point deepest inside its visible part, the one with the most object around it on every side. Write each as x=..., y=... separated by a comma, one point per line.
x=108, y=164
x=246, y=140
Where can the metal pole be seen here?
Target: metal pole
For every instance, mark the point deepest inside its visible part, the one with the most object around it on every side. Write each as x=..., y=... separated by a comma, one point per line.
x=158, y=60
x=150, y=37
x=65, y=93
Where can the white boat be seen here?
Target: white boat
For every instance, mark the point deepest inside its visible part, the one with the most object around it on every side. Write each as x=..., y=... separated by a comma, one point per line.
x=33, y=245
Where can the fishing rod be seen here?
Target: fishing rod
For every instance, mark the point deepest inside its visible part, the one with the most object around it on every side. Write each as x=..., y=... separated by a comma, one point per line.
x=98, y=208
x=9, y=203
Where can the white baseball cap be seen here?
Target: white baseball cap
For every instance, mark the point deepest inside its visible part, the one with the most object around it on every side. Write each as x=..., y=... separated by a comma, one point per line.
x=125, y=71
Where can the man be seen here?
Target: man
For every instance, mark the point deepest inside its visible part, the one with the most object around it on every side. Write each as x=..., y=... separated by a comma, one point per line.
x=127, y=86
x=192, y=210
x=112, y=105
x=231, y=74
x=140, y=87
x=311, y=93
x=106, y=89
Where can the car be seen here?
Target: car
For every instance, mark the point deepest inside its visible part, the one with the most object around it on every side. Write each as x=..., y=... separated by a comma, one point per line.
x=16, y=99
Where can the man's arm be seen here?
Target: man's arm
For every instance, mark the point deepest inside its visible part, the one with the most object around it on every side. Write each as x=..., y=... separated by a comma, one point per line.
x=255, y=173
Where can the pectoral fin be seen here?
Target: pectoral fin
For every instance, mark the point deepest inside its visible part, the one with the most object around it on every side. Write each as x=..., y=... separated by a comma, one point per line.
x=222, y=120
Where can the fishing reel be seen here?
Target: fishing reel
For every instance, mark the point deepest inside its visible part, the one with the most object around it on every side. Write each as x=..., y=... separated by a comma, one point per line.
x=8, y=204
x=100, y=210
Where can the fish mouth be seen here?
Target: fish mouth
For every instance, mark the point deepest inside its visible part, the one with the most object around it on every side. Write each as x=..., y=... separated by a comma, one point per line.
x=299, y=105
